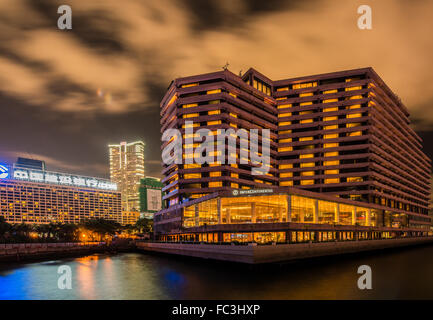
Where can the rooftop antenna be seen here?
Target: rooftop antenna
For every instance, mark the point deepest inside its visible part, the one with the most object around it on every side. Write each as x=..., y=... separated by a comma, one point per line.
x=240, y=73
x=226, y=66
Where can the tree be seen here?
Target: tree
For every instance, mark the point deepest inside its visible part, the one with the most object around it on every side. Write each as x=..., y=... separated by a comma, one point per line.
x=144, y=225
x=4, y=228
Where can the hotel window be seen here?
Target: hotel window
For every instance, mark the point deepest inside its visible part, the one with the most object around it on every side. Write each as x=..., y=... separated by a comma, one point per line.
x=330, y=127
x=286, y=175
x=304, y=85
x=214, y=112
x=354, y=88
x=234, y=185
x=191, y=125
x=214, y=101
x=354, y=115
x=352, y=125
x=307, y=173
x=190, y=115
x=354, y=134
x=331, y=163
x=330, y=145
x=327, y=211
x=355, y=179
x=283, y=89
x=330, y=100
x=306, y=121
x=285, y=149
x=330, y=91
x=306, y=94
x=233, y=95
x=346, y=212
x=233, y=115
x=190, y=85
x=282, y=115
x=306, y=182
x=306, y=103
x=306, y=138
x=215, y=184
x=330, y=109
x=336, y=180
x=285, y=166
x=192, y=166
x=306, y=156
x=302, y=209
x=332, y=171
x=234, y=175
x=331, y=154
x=285, y=123
x=307, y=164
x=287, y=140
x=355, y=97
x=211, y=123
x=215, y=174
x=355, y=106
x=189, y=105
x=192, y=175
x=330, y=118
x=285, y=131
x=330, y=136
x=213, y=91
x=286, y=183
x=284, y=106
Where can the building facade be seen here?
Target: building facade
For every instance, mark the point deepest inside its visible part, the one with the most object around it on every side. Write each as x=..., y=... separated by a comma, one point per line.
x=342, y=134
x=126, y=170
x=150, y=196
x=31, y=195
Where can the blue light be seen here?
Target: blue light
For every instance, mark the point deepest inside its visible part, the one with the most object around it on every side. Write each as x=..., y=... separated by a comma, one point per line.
x=4, y=172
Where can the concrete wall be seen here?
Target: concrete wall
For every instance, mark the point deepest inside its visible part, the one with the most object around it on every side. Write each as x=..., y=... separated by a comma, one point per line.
x=275, y=253
x=16, y=252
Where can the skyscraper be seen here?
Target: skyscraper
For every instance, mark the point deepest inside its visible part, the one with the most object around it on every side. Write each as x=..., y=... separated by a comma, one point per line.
x=127, y=169
x=342, y=134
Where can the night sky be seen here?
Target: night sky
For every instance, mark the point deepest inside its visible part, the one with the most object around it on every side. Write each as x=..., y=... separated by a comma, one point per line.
x=65, y=95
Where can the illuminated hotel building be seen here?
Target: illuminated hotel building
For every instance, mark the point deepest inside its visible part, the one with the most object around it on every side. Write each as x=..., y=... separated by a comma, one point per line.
x=339, y=141
x=30, y=194
x=127, y=170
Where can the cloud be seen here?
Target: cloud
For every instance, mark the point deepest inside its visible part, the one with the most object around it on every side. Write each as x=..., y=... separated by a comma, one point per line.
x=55, y=164
x=124, y=48
x=120, y=56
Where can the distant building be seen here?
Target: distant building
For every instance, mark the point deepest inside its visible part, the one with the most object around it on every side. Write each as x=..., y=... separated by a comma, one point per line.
x=26, y=163
x=31, y=194
x=150, y=196
x=126, y=170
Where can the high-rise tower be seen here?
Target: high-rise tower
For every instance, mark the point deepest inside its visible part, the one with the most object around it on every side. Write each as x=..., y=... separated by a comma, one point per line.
x=127, y=169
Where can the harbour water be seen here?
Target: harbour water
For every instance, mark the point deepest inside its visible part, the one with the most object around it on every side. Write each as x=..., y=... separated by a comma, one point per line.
x=397, y=274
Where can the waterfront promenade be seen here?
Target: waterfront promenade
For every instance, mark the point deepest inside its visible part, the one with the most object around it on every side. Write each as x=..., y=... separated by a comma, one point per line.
x=257, y=254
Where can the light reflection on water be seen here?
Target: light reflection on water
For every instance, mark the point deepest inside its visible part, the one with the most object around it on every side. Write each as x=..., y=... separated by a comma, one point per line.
x=403, y=274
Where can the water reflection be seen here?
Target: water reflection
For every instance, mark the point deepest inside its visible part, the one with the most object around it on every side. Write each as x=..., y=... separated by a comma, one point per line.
x=139, y=276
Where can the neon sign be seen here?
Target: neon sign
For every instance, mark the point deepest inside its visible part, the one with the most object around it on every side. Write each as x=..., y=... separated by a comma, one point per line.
x=4, y=172
x=63, y=179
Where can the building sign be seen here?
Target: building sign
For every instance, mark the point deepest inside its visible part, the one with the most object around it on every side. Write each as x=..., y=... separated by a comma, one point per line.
x=62, y=179
x=242, y=192
x=154, y=200
x=4, y=172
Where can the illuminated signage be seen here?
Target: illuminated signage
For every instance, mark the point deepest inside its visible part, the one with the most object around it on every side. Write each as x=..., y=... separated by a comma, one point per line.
x=251, y=191
x=63, y=179
x=4, y=172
